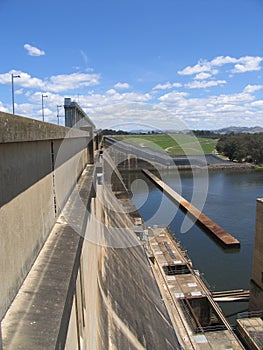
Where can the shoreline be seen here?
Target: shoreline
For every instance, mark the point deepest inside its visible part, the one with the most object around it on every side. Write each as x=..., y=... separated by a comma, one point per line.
x=212, y=167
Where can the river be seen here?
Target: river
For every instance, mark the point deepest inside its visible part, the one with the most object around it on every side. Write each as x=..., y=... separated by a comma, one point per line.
x=230, y=201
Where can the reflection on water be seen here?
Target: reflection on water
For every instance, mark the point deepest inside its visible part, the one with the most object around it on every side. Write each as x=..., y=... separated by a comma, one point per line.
x=230, y=202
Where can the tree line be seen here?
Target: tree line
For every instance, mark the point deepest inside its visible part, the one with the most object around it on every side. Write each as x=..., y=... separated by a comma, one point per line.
x=242, y=147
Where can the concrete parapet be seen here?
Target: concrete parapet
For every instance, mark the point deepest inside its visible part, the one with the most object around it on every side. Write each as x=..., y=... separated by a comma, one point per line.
x=40, y=164
x=14, y=128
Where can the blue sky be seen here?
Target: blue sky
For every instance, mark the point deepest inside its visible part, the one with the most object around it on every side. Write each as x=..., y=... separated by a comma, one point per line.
x=141, y=62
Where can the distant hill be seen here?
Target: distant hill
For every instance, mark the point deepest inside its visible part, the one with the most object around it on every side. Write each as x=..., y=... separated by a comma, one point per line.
x=240, y=130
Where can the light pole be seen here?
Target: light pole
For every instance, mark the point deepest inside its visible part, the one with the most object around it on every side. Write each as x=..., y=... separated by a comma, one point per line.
x=43, y=117
x=13, y=96
x=58, y=106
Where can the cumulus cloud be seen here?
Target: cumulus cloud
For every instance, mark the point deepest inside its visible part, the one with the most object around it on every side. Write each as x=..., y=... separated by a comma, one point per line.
x=173, y=96
x=33, y=51
x=64, y=82
x=3, y=108
x=166, y=86
x=100, y=102
x=201, y=66
x=238, y=98
x=202, y=76
x=258, y=103
x=241, y=65
x=56, y=83
x=122, y=86
x=221, y=60
x=247, y=64
x=161, y=104
x=25, y=80
x=111, y=92
x=204, y=84
x=252, y=88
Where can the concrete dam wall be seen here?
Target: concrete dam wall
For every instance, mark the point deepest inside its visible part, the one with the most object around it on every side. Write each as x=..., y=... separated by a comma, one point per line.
x=75, y=273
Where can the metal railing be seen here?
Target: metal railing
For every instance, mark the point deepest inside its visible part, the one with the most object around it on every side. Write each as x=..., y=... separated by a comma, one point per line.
x=250, y=314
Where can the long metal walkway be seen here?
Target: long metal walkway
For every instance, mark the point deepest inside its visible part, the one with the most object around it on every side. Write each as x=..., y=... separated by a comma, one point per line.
x=231, y=295
x=217, y=231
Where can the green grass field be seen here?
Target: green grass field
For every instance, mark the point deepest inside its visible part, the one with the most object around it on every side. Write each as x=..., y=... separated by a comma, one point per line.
x=173, y=144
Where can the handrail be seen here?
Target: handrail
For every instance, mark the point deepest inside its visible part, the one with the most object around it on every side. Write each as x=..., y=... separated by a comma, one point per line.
x=250, y=314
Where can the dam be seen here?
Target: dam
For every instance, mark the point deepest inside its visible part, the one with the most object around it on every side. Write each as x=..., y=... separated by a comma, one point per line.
x=79, y=269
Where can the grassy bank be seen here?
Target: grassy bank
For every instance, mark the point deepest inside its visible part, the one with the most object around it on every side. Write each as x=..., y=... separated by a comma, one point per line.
x=173, y=144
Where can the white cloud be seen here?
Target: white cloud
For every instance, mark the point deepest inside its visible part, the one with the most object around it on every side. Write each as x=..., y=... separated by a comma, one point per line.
x=100, y=102
x=155, y=106
x=258, y=103
x=221, y=60
x=64, y=82
x=241, y=65
x=247, y=64
x=202, y=76
x=228, y=108
x=177, y=84
x=19, y=91
x=111, y=92
x=201, y=66
x=206, y=112
x=122, y=86
x=173, y=96
x=25, y=80
x=33, y=51
x=241, y=98
x=3, y=108
x=56, y=83
x=251, y=88
x=166, y=86
x=204, y=84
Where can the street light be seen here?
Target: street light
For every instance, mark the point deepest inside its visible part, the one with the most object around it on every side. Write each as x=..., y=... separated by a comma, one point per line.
x=13, y=97
x=58, y=106
x=43, y=106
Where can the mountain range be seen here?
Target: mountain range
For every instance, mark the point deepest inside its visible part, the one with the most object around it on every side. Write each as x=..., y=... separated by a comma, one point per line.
x=240, y=130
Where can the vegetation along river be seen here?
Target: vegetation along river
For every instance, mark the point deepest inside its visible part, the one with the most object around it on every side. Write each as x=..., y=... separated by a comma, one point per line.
x=230, y=202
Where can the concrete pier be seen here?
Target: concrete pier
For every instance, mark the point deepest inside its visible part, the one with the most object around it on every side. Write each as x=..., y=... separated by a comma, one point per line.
x=215, y=230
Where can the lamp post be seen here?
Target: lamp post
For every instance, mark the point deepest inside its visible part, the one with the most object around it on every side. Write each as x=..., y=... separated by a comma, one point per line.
x=13, y=96
x=43, y=117
x=58, y=106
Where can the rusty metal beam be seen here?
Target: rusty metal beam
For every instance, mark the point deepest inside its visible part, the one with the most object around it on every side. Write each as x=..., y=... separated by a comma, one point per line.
x=210, y=226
